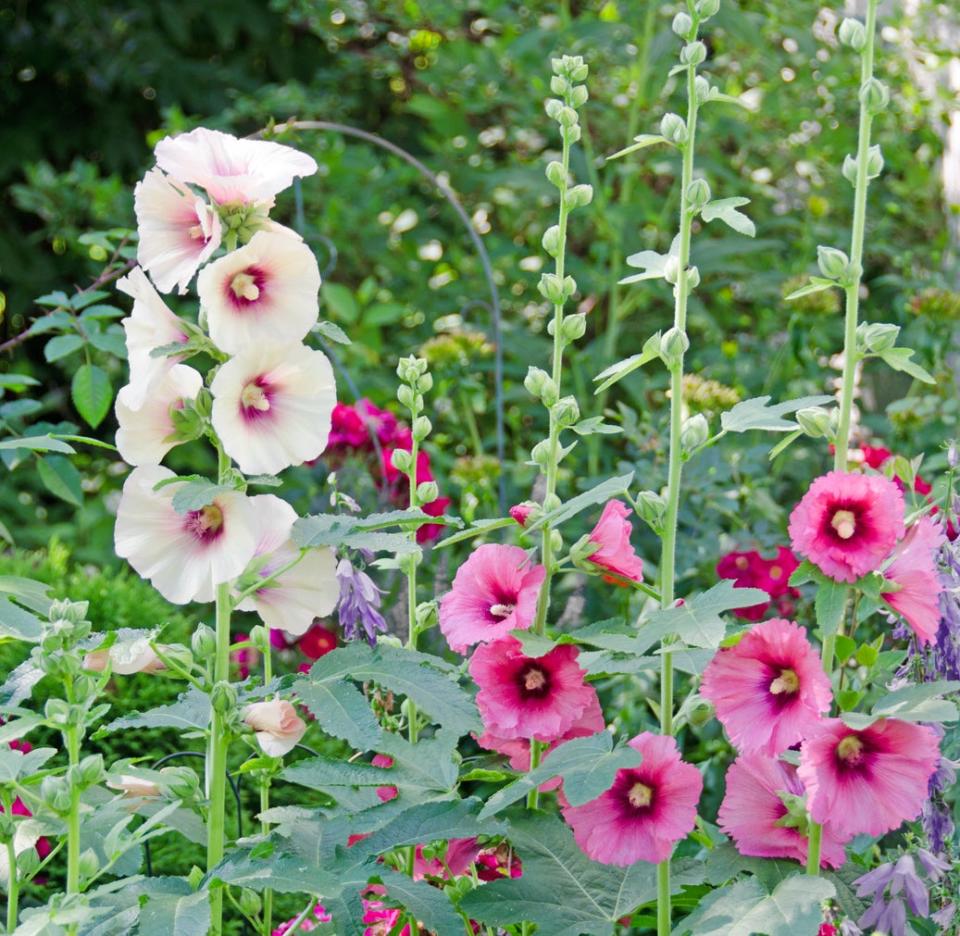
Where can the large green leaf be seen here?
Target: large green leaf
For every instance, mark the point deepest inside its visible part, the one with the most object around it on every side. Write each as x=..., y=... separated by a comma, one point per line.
x=190, y=711
x=341, y=710
x=598, y=494
x=757, y=414
x=16, y=621
x=920, y=703
x=42, y=443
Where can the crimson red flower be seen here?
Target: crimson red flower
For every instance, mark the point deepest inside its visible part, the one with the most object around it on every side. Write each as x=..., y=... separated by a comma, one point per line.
x=317, y=642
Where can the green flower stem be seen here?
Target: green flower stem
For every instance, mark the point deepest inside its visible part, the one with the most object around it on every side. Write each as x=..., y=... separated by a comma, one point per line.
x=73, y=817
x=546, y=548
x=265, y=798
x=852, y=290
x=13, y=888
x=412, y=726
x=813, y=848
x=669, y=550
x=536, y=752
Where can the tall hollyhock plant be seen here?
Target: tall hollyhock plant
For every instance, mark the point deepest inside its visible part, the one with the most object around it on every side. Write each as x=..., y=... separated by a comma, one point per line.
x=265, y=405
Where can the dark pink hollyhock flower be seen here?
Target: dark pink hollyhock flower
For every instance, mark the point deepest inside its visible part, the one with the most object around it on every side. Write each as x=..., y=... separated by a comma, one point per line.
x=753, y=813
x=914, y=571
x=494, y=592
x=769, y=690
x=430, y=531
x=612, y=533
x=347, y=429
x=751, y=570
x=317, y=642
x=647, y=810
x=868, y=781
x=382, y=919
x=461, y=853
x=847, y=523
x=529, y=697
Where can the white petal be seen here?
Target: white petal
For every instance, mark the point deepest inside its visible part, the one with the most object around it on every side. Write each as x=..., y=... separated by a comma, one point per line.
x=286, y=280
x=143, y=430
x=308, y=591
x=300, y=394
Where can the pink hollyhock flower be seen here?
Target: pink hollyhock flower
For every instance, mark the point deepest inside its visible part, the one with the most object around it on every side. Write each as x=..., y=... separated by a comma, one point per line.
x=494, y=592
x=276, y=724
x=867, y=781
x=773, y=575
x=347, y=428
x=744, y=568
x=752, y=812
x=308, y=590
x=914, y=570
x=262, y=293
x=385, y=793
x=847, y=523
x=769, y=690
x=383, y=422
x=647, y=810
x=317, y=642
x=150, y=325
x=230, y=169
x=272, y=406
x=383, y=920
x=183, y=555
x=460, y=854
x=146, y=432
x=529, y=697
x=246, y=659
x=320, y=915
x=612, y=532
x=178, y=231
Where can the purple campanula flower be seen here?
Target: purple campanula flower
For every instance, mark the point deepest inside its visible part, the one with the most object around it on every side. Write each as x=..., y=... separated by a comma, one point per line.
x=359, y=604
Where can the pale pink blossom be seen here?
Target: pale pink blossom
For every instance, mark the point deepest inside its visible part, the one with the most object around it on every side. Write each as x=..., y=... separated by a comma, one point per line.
x=277, y=725
x=134, y=787
x=125, y=657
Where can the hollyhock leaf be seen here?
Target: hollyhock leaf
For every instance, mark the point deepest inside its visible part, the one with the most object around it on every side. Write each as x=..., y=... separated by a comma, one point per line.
x=900, y=360
x=755, y=413
x=332, y=332
x=346, y=530
x=616, y=372
x=599, y=494
x=190, y=711
x=640, y=142
x=429, y=904
x=101, y=312
x=17, y=382
x=31, y=594
x=829, y=605
x=805, y=572
x=110, y=341
x=920, y=703
x=14, y=763
x=19, y=684
x=534, y=645
x=746, y=909
x=197, y=493
x=477, y=528
x=61, y=346
x=175, y=915
x=725, y=209
x=341, y=710
x=61, y=478
x=287, y=873
x=320, y=772
x=595, y=426
x=698, y=622
x=18, y=727
x=91, y=393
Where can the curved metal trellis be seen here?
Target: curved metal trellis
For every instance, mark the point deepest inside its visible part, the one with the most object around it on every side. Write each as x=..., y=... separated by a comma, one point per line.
x=450, y=196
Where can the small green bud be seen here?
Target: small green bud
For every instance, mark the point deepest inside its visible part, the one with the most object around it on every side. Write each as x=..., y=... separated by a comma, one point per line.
x=427, y=492
x=551, y=288
x=814, y=421
x=7, y=828
x=701, y=88
x=682, y=25
x=673, y=346
x=694, y=432
x=57, y=712
x=874, y=161
x=425, y=383
x=579, y=96
x=401, y=459
x=421, y=428
x=582, y=550
x=568, y=117
x=673, y=127
x=574, y=327
x=28, y=863
x=579, y=196
x=874, y=95
x=556, y=541
x=551, y=240
x=552, y=106
x=671, y=270
x=876, y=337
x=406, y=395
x=203, y=643
x=707, y=8
x=853, y=34
x=698, y=194
x=559, y=85
x=566, y=412
x=551, y=502
x=693, y=277
x=92, y=770
x=833, y=263
x=693, y=53
x=260, y=638
x=701, y=711
x=555, y=174
x=572, y=134
x=250, y=903
x=223, y=698
x=850, y=169
x=534, y=380
x=89, y=864
x=541, y=453
x=652, y=508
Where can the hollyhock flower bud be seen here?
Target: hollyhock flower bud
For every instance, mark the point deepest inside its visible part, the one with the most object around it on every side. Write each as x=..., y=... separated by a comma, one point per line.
x=178, y=231
x=612, y=533
x=682, y=24
x=672, y=126
x=125, y=658
x=135, y=787
x=847, y=523
x=833, y=263
x=263, y=293
x=867, y=781
x=272, y=406
x=647, y=810
x=231, y=169
x=770, y=689
x=707, y=8
x=150, y=325
x=304, y=592
x=203, y=642
x=521, y=512
x=147, y=432
x=277, y=725
x=914, y=571
x=673, y=345
x=494, y=592
x=183, y=555
x=852, y=33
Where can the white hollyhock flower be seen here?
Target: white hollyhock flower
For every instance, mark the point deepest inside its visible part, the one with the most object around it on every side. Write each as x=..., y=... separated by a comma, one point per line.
x=264, y=292
x=277, y=725
x=178, y=231
x=28, y=833
x=272, y=406
x=309, y=590
x=144, y=434
x=150, y=325
x=230, y=169
x=125, y=658
x=183, y=555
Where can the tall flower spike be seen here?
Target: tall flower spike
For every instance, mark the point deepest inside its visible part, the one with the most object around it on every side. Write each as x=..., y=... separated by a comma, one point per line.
x=264, y=293
x=272, y=406
x=178, y=231
x=150, y=325
x=144, y=436
x=231, y=169
x=183, y=555
x=308, y=590
x=770, y=689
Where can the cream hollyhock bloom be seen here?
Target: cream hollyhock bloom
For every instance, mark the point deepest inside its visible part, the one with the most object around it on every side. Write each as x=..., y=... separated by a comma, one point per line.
x=309, y=590
x=272, y=406
x=144, y=434
x=277, y=725
x=178, y=231
x=150, y=325
x=230, y=169
x=262, y=293
x=135, y=787
x=26, y=836
x=183, y=555
x=125, y=659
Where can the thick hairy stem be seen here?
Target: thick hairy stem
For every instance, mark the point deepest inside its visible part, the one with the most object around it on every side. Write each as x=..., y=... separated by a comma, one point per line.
x=536, y=752
x=669, y=553
x=265, y=800
x=412, y=727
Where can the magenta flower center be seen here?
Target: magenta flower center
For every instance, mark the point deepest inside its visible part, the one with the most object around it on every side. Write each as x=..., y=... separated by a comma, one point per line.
x=640, y=796
x=787, y=683
x=255, y=399
x=844, y=523
x=205, y=524
x=850, y=751
x=246, y=287
x=534, y=682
